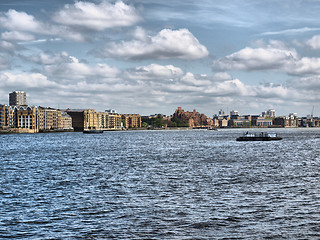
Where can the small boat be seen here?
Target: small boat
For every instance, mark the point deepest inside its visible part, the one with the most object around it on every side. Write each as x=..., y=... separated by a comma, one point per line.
x=92, y=131
x=261, y=136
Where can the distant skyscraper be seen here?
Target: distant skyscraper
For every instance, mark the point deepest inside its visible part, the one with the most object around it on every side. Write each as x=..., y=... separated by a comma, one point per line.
x=270, y=113
x=17, y=98
x=221, y=112
x=234, y=113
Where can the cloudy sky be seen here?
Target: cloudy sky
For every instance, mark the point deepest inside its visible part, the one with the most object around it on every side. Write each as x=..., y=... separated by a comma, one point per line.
x=151, y=56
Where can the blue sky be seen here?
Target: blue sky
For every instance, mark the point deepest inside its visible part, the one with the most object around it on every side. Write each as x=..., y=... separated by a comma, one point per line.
x=148, y=56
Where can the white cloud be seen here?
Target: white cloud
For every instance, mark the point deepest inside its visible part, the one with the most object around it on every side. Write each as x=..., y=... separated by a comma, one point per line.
x=20, y=21
x=70, y=69
x=222, y=76
x=190, y=79
x=304, y=66
x=25, y=80
x=166, y=44
x=229, y=88
x=314, y=42
x=273, y=91
x=10, y=47
x=16, y=36
x=97, y=17
x=47, y=59
x=155, y=72
x=291, y=31
x=253, y=59
x=311, y=84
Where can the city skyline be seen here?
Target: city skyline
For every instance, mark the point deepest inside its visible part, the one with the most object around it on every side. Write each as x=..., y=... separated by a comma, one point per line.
x=146, y=56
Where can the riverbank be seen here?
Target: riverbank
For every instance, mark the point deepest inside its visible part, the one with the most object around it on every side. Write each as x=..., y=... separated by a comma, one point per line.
x=26, y=130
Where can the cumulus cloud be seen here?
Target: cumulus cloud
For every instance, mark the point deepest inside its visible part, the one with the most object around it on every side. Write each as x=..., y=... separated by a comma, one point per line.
x=274, y=56
x=47, y=59
x=228, y=88
x=180, y=44
x=20, y=21
x=311, y=84
x=16, y=36
x=253, y=59
x=70, y=68
x=193, y=80
x=9, y=47
x=314, y=42
x=222, y=76
x=304, y=66
x=25, y=80
x=97, y=17
x=271, y=90
x=155, y=72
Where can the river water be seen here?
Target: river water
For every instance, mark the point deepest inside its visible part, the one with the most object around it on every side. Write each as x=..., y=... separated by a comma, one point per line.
x=191, y=184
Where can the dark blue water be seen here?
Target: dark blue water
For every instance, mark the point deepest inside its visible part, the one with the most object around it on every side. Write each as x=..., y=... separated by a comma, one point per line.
x=160, y=185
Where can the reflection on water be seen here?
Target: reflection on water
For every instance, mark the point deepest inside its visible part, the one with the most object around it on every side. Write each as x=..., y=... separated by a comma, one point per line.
x=160, y=185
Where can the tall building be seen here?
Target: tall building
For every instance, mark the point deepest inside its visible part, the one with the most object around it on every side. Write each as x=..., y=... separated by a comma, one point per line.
x=270, y=113
x=17, y=98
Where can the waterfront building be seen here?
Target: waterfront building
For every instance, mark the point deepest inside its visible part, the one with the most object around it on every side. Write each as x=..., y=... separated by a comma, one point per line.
x=89, y=119
x=26, y=117
x=6, y=117
x=286, y=121
x=223, y=122
x=240, y=122
x=192, y=119
x=110, y=121
x=83, y=119
x=316, y=122
x=66, y=121
x=261, y=122
x=17, y=98
x=131, y=120
x=49, y=119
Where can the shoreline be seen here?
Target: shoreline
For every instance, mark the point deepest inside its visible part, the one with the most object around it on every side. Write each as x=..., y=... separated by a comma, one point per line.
x=32, y=131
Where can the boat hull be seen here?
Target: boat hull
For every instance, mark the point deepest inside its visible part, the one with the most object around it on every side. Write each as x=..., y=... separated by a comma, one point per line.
x=92, y=131
x=259, y=138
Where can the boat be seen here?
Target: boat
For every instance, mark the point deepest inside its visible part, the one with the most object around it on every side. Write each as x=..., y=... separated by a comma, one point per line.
x=92, y=131
x=260, y=136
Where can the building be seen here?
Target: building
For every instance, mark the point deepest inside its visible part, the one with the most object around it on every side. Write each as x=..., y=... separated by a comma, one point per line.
x=66, y=121
x=221, y=113
x=18, y=98
x=49, y=119
x=131, y=120
x=271, y=113
x=223, y=122
x=83, y=119
x=286, y=121
x=191, y=119
x=26, y=117
x=240, y=122
x=234, y=113
x=110, y=121
x=6, y=117
x=261, y=122
x=111, y=111
x=89, y=119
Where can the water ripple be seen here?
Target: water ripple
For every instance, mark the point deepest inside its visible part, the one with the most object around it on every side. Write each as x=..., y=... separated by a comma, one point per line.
x=160, y=185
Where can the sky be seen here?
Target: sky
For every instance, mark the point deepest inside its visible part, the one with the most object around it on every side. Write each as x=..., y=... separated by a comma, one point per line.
x=150, y=56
